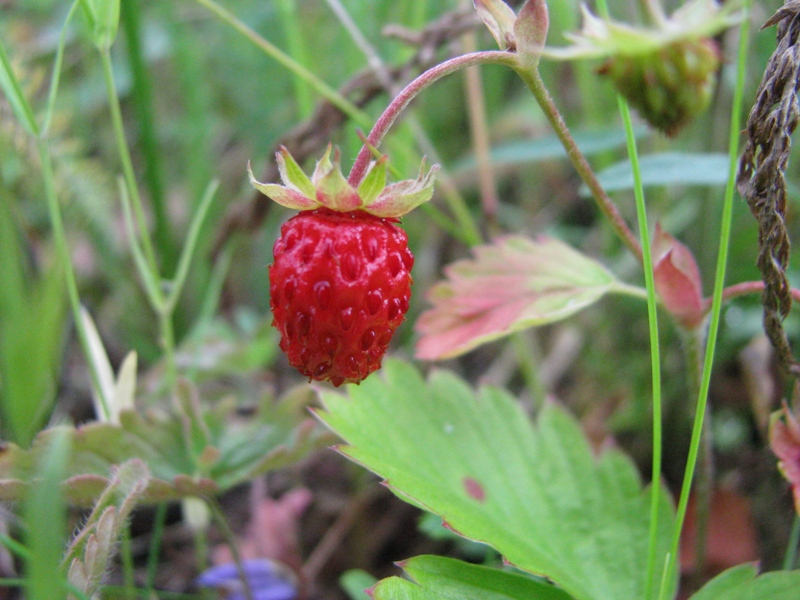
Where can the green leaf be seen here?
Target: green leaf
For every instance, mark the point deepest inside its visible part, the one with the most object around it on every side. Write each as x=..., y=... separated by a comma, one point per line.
x=439, y=578
x=668, y=168
x=102, y=397
x=45, y=518
x=13, y=91
x=511, y=284
x=32, y=316
x=355, y=581
x=237, y=449
x=190, y=245
x=741, y=583
x=523, y=152
x=538, y=495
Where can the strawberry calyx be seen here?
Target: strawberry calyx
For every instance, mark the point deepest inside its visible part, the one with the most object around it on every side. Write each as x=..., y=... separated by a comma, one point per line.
x=328, y=188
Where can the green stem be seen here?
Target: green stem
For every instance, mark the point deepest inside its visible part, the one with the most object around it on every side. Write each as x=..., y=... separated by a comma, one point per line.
x=230, y=539
x=694, y=342
x=167, y=335
x=126, y=555
x=56, y=76
x=142, y=96
x=529, y=360
x=719, y=285
x=791, y=549
x=125, y=159
x=534, y=82
x=655, y=351
x=155, y=546
x=62, y=247
x=323, y=89
x=189, y=248
x=299, y=53
x=626, y=289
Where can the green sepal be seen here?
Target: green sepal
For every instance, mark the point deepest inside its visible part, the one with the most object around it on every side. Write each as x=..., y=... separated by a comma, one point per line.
x=282, y=194
x=404, y=196
x=335, y=193
x=292, y=175
x=499, y=20
x=374, y=183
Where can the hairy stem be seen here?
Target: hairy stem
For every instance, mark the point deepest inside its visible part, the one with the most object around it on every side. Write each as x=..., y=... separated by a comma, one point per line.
x=534, y=82
x=402, y=100
x=744, y=289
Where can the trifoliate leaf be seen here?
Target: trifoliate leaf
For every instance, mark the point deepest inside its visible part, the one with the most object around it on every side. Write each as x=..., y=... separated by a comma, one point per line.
x=183, y=458
x=537, y=494
x=510, y=285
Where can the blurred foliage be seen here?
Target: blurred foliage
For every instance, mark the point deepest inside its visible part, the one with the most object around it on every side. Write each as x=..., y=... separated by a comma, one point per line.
x=214, y=101
x=199, y=100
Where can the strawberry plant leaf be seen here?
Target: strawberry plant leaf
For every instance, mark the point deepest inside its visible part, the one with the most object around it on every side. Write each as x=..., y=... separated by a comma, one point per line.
x=741, y=583
x=537, y=494
x=510, y=285
x=184, y=457
x=13, y=92
x=439, y=578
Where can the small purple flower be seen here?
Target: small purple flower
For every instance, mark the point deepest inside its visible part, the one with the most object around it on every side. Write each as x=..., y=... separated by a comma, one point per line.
x=268, y=580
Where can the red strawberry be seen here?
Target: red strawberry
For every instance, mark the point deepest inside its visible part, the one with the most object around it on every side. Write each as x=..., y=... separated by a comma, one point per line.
x=340, y=287
x=341, y=280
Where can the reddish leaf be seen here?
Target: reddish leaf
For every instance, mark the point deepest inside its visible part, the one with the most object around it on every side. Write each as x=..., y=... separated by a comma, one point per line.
x=510, y=285
x=784, y=439
x=677, y=279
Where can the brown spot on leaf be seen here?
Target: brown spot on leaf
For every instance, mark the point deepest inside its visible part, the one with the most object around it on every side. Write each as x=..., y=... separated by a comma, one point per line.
x=474, y=489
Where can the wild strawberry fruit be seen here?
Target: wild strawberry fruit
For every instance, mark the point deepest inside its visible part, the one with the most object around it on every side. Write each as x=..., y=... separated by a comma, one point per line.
x=341, y=281
x=339, y=288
